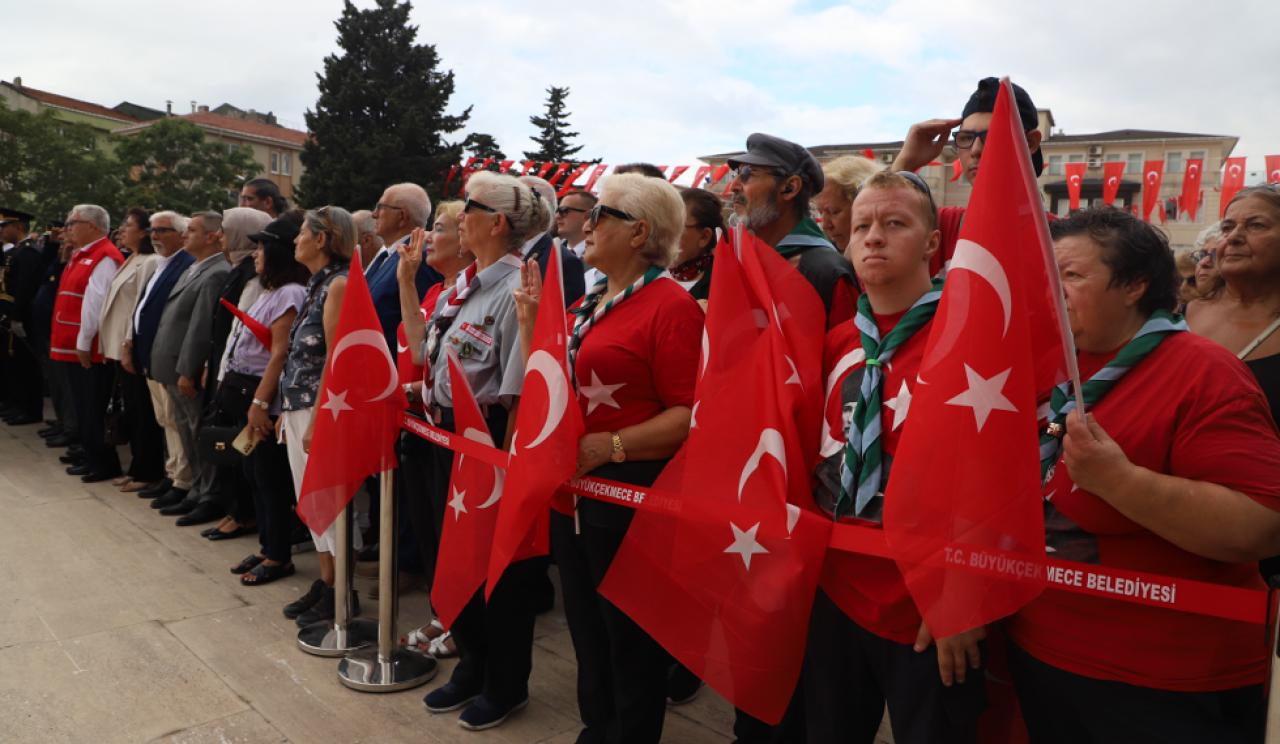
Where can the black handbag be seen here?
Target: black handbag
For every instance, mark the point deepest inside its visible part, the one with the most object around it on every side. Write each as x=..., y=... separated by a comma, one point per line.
x=214, y=444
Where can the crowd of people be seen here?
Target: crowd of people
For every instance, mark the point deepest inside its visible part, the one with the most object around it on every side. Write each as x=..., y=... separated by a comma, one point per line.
x=180, y=333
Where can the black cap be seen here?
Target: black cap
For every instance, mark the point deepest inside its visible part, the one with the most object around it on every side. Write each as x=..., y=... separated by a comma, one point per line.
x=55, y=223
x=983, y=101
x=14, y=215
x=281, y=230
x=775, y=152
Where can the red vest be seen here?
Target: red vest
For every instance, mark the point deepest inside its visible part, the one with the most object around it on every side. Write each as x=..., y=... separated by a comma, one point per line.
x=71, y=289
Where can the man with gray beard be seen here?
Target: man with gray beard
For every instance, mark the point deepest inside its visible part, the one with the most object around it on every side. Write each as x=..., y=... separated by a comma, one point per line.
x=772, y=183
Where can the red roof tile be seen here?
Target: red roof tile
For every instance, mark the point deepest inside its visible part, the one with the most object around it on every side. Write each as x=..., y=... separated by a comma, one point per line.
x=246, y=127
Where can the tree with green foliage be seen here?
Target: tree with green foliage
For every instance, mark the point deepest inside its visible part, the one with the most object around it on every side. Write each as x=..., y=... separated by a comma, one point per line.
x=553, y=138
x=172, y=166
x=48, y=165
x=380, y=118
x=484, y=146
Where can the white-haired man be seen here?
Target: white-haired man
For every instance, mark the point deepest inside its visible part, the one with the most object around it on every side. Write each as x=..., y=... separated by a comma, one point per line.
x=82, y=291
x=539, y=247
x=367, y=240
x=402, y=208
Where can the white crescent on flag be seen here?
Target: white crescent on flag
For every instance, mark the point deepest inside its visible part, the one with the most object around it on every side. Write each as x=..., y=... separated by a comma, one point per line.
x=1112, y=181
x=483, y=437
x=1193, y=169
x=770, y=444
x=970, y=256
x=1075, y=180
x=1233, y=170
x=374, y=340
x=1152, y=176
x=543, y=364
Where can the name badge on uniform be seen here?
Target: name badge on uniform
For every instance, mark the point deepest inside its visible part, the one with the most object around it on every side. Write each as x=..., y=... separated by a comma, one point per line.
x=476, y=333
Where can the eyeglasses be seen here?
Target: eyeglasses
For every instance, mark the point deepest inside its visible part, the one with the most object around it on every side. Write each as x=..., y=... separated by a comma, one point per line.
x=380, y=206
x=1202, y=254
x=469, y=203
x=964, y=138
x=72, y=223
x=593, y=217
x=562, y=211
x=744, y=172
x=158, y=230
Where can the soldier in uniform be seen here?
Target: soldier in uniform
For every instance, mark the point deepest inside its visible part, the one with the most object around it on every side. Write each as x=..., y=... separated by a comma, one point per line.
x=23, y=391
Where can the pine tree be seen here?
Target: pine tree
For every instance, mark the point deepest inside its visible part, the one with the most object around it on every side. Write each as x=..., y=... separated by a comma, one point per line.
x=380, y=118
x=484, y=147
x=553, y=140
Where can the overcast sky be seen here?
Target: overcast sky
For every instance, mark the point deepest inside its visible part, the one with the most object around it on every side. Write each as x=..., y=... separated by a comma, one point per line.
x=668, y=80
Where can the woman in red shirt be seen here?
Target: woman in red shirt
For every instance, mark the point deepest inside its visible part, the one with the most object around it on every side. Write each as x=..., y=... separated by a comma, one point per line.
x=634, y=349
x=1175, y=471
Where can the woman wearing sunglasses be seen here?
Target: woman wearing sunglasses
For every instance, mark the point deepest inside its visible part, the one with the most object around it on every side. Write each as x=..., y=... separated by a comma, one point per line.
x=633, y=351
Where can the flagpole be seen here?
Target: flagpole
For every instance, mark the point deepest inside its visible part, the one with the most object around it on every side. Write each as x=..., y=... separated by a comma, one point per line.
x=344, y=633
x=385, y=668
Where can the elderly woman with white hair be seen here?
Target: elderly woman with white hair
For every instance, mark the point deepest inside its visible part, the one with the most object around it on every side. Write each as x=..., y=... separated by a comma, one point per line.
x=634, y=353
x=539, y=245
x=843, y=178
x=475, y=320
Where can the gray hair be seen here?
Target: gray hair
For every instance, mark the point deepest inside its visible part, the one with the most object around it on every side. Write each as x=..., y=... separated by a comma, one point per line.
x=548, y=192
x=525, y=209
x=93, y=214
x=413, y=200
x=1208, y=235
x=177, y=221
x=655, y=202
x=211, y=221
x=335, y=223
x=363, y=219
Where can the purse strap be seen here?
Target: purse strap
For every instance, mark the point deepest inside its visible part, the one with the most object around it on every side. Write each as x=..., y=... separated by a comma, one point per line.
x=1257, y=341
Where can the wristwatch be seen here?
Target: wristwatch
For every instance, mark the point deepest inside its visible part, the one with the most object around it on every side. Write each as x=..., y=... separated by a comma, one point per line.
x=261, y=404
x=619, y=454
x=408, y=391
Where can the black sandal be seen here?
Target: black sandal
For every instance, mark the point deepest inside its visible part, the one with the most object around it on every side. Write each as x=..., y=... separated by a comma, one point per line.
x=265, y=574
x=248, y=564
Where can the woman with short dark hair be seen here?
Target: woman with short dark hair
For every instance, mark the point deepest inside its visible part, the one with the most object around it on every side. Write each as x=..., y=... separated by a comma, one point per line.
x=1174, y=471
x=703, y=226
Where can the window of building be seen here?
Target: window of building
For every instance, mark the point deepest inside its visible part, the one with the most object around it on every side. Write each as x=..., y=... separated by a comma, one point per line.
x=1173, y=163
x=1133, y=164
x=1114, y=157
x=275, y=162
x=1055, y=165
x=286, y=163
x=1076, y=158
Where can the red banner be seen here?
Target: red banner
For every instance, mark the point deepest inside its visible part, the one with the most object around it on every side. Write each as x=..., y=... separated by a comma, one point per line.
x=677, y=171
x=1273, y=169
x=505, y=165
x=1152, y=175
x=1191, y=187
x=1112, y=172
x=545, y=169
x=527, y=166
x=595, y=176
x=719, y=173
x=868, y=153
x=561, y=169
x=699, y=174
x=1232, y=182
x=957, y=170
x=567, y=186
x=1075, y=179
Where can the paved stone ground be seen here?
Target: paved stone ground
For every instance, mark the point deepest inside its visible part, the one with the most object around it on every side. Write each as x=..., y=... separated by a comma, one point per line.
x=117, y=626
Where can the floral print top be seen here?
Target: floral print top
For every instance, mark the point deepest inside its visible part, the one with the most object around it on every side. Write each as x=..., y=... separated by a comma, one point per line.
x=300, y=380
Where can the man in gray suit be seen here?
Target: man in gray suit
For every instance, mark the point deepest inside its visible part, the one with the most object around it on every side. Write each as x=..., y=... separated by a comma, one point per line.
x=182, y=340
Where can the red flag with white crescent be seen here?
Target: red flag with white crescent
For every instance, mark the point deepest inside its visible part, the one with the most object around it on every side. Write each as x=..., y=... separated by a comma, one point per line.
x=1273, y=169
x=544, y=447
x=1191, y=187
x=1232, y=182
x=727, y=584
x=677, y=171
x=1152, y=175
x=1075, y=180
x=1112, y=174
x=357, y=414
x=561, y=169
x=526, y=167
x=475, y=489
x=964, y=483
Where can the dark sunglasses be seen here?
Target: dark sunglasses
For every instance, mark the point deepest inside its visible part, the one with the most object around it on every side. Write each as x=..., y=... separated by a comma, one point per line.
x=744, y=172
x=469, y=203
x=593, y=216
x=916, y=181
x=562, y=211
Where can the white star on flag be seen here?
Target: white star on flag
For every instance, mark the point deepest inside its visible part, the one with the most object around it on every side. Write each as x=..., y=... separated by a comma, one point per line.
x=457, y=504
x=744, y=543
x=336, y=404
x=599, y=394
x=985, y=394
x=900, y=405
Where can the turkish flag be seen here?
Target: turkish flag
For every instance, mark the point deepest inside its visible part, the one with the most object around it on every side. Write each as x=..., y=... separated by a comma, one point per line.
x=957, y=170
x=868, y=153
x=720, y=172
x=561, y=169
x=1112, y=173
x=1232, y=182
x=1075, y=179
x=700, y=174
x=1152, y=174
x=1273, y=169
x=259, y=330
x=677, y=171
x=595, y=176
x=545, y=169
x=1191, y=187
x=505, y=165
x=475, y=488
x=726, y=583
x=567, y=186
x=963, y=487
x=526, y=167
x=544, y=448
x=453, y=171
x=357, y=417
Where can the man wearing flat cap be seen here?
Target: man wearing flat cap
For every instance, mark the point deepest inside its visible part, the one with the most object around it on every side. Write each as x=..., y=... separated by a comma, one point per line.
x=772, y=183
x=23, y=386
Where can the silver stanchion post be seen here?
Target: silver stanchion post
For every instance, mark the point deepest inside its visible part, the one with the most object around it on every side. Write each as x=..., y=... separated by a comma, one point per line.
x=386, y=668
x=344, y=633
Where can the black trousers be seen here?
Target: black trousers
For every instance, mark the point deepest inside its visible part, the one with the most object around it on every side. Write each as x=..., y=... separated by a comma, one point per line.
x=24, y=379
x=622, y=671
x=91, y=391
x=268, y=467
x=146, y=438
x=1059, y=706
x=850, y=674
x=418, y=459
x=231, y=489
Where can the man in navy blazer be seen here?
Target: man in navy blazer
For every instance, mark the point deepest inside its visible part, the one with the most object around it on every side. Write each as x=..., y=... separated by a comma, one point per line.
x=402, y=207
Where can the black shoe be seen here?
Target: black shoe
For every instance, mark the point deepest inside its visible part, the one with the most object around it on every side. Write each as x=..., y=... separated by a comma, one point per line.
x=49, y=431
x=62, y=440
x=97, y=476
x=170, y=497
x=449, y=697
x=186, y=506
x=323, y=611
x=158, y=489
x=23, y=420
x=485, y=714
x=71, y=459
x=306, y=601
x=205, y=511
x=81, y=469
